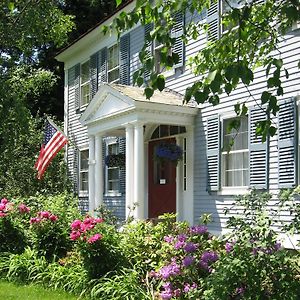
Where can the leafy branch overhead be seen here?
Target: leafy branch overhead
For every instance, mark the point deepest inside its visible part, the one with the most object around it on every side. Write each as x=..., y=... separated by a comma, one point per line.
x=250, y=41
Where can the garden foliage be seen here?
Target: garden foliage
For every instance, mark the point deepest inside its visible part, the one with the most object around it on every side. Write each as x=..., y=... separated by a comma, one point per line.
x=161, y=259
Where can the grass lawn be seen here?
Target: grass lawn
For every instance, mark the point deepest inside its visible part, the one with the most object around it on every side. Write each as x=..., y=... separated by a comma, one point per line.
x=10, y=291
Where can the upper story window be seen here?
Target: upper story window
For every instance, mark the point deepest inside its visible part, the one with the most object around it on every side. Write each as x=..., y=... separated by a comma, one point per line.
x=167, y=130
x=85, y=83
x=83, y=170
x=235, y=158
x=113, y=70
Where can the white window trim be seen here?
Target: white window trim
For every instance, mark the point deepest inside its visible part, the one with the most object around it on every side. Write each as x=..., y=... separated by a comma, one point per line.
x=110, y=193
x=81, y=193
x=82, y=106
x=229, y=190
x=116, y=67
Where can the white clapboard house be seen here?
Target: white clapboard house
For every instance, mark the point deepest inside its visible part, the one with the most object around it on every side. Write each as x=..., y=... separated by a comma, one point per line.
x=105, y=114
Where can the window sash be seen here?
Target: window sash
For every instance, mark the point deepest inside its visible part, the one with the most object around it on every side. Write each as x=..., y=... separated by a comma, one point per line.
x=83, y=170
x=113, y=65
x=85, y=83
x=112, y=173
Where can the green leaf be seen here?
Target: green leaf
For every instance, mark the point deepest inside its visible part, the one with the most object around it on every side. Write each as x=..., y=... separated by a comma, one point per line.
x=228, y=88
x=237, y=108
x=149, y=92
x=11, y=6
x=140, y=81
x=272, y=130
x=160, y=82
x=265, y=96
x=278, y=63
x=118, y=2
x=244, y=110
x=200, y=97
x=287, y=75
x=211, y=76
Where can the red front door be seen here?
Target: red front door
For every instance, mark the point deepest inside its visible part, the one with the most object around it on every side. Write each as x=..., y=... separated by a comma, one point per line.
x=162, y=183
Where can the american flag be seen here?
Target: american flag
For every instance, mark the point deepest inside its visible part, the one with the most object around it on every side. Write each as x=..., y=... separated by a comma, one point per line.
x=54, y=140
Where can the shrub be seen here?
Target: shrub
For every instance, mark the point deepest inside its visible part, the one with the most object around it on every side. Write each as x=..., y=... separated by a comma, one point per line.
x=254, y=266
x=12, y=234
x=99, y=246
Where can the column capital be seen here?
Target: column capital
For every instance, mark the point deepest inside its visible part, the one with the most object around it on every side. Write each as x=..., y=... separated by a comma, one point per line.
x=138, y=124
x=99, y=136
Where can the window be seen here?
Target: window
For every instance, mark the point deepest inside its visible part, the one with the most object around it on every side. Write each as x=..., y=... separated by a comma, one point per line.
x=83, y=170
x=235, y=162
x=85, y=83
x=113, y=64
x=112, y=173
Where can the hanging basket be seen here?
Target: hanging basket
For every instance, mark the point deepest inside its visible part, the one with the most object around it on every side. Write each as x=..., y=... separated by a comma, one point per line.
x=168, y=152
x=115, y=160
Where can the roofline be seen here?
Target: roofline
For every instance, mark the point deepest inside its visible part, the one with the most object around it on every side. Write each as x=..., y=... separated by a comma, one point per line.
x=118, y=9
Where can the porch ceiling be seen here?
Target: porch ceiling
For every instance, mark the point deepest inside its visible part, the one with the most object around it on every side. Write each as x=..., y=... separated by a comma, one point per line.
x=114, y=106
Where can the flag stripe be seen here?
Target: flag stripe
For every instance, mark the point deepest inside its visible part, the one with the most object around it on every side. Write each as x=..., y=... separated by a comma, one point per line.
x=53, y=142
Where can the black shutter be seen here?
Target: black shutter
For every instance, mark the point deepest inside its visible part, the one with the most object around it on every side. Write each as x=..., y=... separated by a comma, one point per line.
x=213, y=21
x=213, y=153
x=102, y=65
x=77, y=86
x=287, y=143
x=258, y=151
x=93, y=75
x=124, y=59
x=176, y=33
x=149, y=47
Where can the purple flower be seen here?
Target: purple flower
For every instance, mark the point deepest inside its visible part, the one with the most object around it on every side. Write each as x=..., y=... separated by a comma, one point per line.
x=167, y=271
x=228, y=247
x=181, y=237
x=179, y=245
x=199, y=229
x=167, y=293
x=188, y=260
x=168, y=238
x=207, y=258
x=240, y=291
x=190, y=247
x=277, y=246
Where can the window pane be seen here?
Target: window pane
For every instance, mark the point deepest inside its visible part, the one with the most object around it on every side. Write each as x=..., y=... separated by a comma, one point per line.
x=84, y=181
x=113, y=57
x=113, y=174
x=85, y=94
x=84, y=159
x=113, y=76
x=113, y=148
x=85, y=72
x=113, y=185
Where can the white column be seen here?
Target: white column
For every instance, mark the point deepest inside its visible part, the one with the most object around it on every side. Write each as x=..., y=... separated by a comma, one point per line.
x=139, y=165
x=98, y=171
x=129, y=169
x=91, y=174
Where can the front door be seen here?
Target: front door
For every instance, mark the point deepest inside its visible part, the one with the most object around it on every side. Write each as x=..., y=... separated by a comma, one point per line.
x=162, y=183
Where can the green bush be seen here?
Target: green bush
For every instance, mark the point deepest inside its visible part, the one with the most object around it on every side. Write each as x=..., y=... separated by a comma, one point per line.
x=99, y=246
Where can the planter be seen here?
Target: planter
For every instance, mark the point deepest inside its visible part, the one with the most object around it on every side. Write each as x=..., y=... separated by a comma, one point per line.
x=168, y=153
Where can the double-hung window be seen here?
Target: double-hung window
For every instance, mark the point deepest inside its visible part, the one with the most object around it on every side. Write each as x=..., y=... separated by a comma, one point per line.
x=83, y=170
x=85, y=83
x=112, y=173
x=235, y=155
x=113, y=70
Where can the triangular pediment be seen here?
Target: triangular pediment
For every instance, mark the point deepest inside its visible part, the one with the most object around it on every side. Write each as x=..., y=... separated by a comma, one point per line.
x=106, y=103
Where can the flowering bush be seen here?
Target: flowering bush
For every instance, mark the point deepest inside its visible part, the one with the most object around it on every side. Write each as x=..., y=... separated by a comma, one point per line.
x=98, y=244
x=12, y=234
x=168, y=152
x=191, y=257
x=115, y=160
x=50, y=239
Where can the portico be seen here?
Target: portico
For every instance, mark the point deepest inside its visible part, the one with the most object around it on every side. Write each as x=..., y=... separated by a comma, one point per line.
x=118, y=110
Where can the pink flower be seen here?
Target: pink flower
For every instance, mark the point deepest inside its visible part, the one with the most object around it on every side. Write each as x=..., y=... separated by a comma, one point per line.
x=44, y=214
x=2, y=214
x=2, y=206
x=4, y=201
x=35, y=220
x=98, y=220
x=76, y=224
x=94, y=238
x=23, y=209
x=53, y=218
x=75, y=235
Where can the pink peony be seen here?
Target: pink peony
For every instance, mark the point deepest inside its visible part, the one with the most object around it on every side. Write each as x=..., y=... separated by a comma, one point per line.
x=75, y=235
x=53, y=218
x=2, y=206
x=76, y=224
x=98, y=220
x=23, y=209
x=94, y=238
x=44, y=214
x=2, y=214
x=4, y=201
x=35, y=220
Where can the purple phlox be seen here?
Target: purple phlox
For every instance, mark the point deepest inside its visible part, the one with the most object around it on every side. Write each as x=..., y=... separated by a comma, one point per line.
x=187, y=261
x=187, y=287
x=229, y=246
x=167, y=292
x=198, y=229
x=167, y=271
x=181, y=237
x=240, y=291
x=277, y=246
x=190, y=247
x=179, y=245
x=169, y=239
x=207, y=258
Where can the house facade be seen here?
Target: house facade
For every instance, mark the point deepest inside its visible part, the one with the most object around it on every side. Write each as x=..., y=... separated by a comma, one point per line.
x=105, y=114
